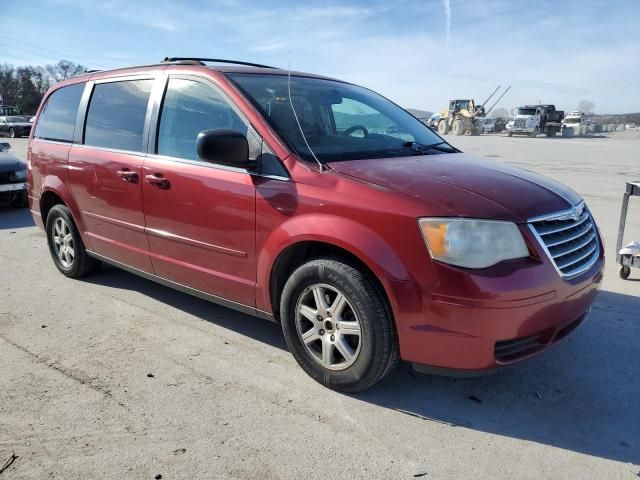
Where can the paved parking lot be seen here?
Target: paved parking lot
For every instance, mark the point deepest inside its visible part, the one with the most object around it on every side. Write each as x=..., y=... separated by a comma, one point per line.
x=117, y=377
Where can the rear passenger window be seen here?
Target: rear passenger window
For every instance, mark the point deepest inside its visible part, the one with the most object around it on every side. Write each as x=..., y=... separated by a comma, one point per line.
x=189, y=108
x=57, y=120
x=116, y=114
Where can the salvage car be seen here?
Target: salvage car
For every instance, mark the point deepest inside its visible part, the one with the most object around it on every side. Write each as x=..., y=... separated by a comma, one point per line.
x=278, y=194
x=13, y=175
x=15, y=126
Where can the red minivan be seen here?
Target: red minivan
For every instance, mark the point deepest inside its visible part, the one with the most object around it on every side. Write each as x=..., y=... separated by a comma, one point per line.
x=315, y=203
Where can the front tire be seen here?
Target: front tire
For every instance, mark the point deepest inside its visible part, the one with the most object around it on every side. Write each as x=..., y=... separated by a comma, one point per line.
x=12, y=133
x=65, y=244
x=458, y=127
x=338, y=325
x=443, y=127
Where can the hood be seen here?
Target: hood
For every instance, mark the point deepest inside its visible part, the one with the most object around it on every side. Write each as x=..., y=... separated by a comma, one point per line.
x=10, y=163
x=456, y=184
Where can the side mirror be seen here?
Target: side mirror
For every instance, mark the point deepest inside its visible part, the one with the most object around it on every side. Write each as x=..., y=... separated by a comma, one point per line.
x=5, y=146
x=225, y=147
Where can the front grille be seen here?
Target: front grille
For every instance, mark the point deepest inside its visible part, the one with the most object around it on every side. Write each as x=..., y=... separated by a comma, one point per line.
x=570, y=239
x=520, y=122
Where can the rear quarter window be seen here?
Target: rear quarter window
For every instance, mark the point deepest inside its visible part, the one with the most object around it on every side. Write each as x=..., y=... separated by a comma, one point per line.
x=58, y=117
x=116, y=114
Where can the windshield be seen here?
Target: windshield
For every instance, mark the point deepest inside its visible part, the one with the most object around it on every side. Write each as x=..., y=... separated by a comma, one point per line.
x=340, y=121
x=526, y=111
x=572, y=120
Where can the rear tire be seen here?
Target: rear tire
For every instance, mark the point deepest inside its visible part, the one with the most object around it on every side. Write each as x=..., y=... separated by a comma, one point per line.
x=509, y=134
x=310, y=308
x=65, y=244
x=535, y=132
x=458, y=127
x=443, y=128
x=12, y=133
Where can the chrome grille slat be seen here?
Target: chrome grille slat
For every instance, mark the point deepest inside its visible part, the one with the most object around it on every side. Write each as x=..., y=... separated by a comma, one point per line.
x=584, y=229
x=582, y=256
x=548, y=231
x=570, y=240
x=572, y=248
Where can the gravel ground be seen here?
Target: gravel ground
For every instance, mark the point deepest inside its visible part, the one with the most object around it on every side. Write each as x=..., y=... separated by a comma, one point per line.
x=117, y=377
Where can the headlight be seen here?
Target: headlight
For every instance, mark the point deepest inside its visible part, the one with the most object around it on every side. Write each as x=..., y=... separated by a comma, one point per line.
x=472, y=243
x=18, y=176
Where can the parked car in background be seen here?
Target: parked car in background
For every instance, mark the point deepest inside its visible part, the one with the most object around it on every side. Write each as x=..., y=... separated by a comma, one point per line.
x=13, y=177
x=493, y=125
x=432, y=123
x=278, y=194
x=15, y=126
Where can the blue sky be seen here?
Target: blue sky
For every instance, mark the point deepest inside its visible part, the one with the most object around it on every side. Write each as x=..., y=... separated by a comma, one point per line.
x=411, y=51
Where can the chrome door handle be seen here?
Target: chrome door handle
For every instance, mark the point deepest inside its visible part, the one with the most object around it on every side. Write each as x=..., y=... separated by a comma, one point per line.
x=157, y=180
x=127, y=175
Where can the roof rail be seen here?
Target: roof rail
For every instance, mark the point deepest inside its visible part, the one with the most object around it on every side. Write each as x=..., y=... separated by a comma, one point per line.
x=201, y=61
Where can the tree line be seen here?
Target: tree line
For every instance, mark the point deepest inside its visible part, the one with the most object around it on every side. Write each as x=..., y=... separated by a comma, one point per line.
x=24, y=86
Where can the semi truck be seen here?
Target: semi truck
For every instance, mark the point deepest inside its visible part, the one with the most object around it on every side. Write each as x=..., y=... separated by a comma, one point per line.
x=532, y=120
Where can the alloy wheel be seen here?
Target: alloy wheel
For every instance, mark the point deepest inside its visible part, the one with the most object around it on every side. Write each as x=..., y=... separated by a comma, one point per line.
x=63, y=244
x=328, y=326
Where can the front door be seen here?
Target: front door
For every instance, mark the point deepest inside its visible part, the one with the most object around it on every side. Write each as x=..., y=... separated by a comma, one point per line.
x=105, y=172
x=200, y=217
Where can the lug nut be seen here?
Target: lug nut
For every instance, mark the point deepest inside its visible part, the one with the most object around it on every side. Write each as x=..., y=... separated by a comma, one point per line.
x=328, y=314
x=321, y=332
x=319, y=318
x=333, y=337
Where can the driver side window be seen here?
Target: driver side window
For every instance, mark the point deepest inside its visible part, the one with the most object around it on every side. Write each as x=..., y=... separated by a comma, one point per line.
x=189, y=108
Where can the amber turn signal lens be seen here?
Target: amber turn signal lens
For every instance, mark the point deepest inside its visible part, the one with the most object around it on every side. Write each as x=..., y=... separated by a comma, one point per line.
x=434, y=234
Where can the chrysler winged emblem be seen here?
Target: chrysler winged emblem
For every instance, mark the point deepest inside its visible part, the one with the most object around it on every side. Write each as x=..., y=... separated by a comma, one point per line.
x=574, y=214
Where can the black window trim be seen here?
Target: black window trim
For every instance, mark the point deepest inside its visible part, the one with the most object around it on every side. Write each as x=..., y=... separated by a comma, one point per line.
x=157, y=99
x=84, y=111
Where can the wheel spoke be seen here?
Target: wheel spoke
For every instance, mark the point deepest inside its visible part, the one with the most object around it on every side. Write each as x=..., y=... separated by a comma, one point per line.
x=308, y=312
x=349, y=328
x=318, y=295
x=57, y=229
x=345, y=349
x=68, y=238
x=338, y=305
x=327, y=352
x=310, y=335
x=70, y=252
x=56, y=239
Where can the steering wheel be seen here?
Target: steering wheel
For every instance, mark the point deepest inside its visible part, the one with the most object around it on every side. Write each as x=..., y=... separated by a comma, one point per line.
x=355, y=128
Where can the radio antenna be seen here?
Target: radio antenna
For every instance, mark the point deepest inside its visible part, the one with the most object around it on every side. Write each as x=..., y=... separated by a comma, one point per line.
x=293, y=109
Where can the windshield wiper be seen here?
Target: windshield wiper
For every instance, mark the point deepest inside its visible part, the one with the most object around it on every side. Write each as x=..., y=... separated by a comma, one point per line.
x=422, y=148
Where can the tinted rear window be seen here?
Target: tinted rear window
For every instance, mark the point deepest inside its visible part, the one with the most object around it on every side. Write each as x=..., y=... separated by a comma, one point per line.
x=57, y=120
x=116, y=114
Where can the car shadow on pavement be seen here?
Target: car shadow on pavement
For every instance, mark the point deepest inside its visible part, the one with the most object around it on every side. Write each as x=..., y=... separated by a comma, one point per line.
x=15, y=218
x=253, y=327
x=582, y=396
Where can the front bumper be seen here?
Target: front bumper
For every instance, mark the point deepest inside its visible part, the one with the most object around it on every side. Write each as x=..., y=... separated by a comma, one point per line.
x=522, y=129
x=12, y=187
x=492, y=318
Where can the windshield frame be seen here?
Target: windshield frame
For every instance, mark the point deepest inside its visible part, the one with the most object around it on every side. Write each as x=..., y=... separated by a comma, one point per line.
x=404, y=149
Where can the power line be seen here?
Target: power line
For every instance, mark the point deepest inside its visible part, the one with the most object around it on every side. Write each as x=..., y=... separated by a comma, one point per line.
x=30, y=52
x=59, y=54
